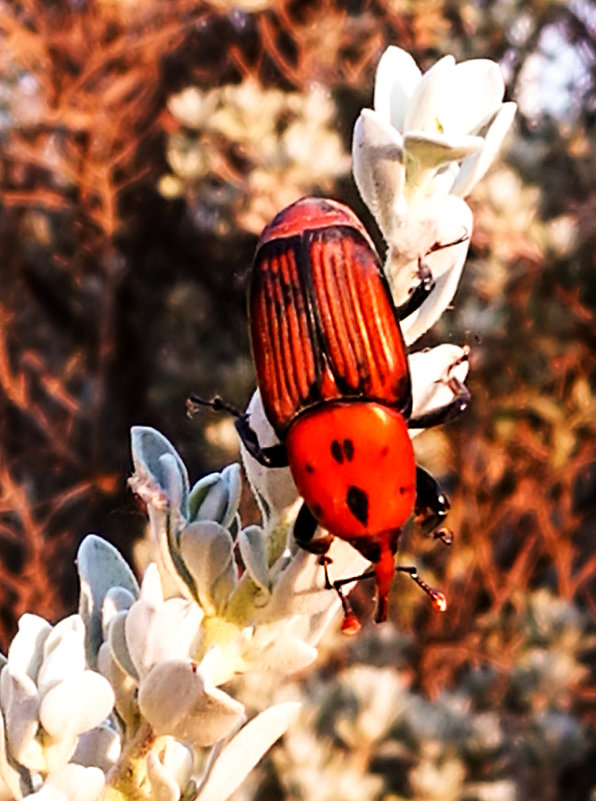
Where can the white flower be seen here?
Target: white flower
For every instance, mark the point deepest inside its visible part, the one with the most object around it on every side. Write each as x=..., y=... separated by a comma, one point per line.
x=428, y=141
x=159, y=654
x=452, y=115
x=48, y=699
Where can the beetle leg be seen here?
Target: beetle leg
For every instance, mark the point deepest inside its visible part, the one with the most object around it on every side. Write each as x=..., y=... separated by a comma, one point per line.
x=350, y=624
x=272, y=456
x=304, y=534
x=442, y=414
x=431, y=506
x=418, y=294
x=439, y=601
x=442, y=245
x=305, y=527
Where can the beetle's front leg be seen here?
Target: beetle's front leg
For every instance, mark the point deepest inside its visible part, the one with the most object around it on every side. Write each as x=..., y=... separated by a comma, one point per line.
x=304, y=533
x=461, y=398
x=442, y=414
x=272, y=456
x=426, y=283
x=419, y=293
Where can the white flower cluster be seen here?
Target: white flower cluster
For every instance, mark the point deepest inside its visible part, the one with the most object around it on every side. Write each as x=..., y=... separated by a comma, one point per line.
x=426, y=144
x=125, y=698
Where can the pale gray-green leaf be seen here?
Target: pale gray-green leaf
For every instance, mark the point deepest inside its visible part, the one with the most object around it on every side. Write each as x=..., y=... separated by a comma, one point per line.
x=100, y=568
x=252, y=542
x=148, y=449
x=207, y=551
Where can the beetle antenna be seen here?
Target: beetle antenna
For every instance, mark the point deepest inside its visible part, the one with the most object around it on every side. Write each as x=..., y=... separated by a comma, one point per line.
x=194, y=402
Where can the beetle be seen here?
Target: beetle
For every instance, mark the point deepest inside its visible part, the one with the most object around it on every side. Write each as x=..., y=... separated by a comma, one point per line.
x=332, y=371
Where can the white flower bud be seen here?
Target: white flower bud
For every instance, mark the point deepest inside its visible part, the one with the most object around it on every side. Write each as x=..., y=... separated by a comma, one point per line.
x=76, y=782
x=77, y=704
x=63, y=652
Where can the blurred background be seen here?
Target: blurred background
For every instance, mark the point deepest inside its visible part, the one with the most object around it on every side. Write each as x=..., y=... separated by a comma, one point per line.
x=143, y=146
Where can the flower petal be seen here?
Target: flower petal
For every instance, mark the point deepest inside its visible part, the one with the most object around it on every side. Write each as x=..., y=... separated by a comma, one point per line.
x=285, y=654
x=163, y=785
x=300, y=587
x=151, y=589
x=8, y=775
x=25, y=653
x=445, y=264
x=122, y=683
x=216, y=497
x=433, y=149
x=174, y=700
x=233, y=482
x=47, y=793
x=378, y=168
x=473, y=97
x=175, y=759
x=274, y=488
x=475, y=167
x=63, y=652
x=395, y=81
x=239, y=756
x=20, y=706
x=430, y=371
x=199, y=493
x=426, y=153
x=423, y=112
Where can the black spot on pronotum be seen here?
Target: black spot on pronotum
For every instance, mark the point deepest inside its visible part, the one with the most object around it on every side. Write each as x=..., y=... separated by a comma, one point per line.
x=337, y=452
x=349, y=449
x=357, y=501
x=309, y=468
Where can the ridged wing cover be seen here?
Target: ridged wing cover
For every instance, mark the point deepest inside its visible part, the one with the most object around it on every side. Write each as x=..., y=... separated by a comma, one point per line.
x=323, y=324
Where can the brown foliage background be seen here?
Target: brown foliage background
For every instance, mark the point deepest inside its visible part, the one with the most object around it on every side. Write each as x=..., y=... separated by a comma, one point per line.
x=123, y=286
